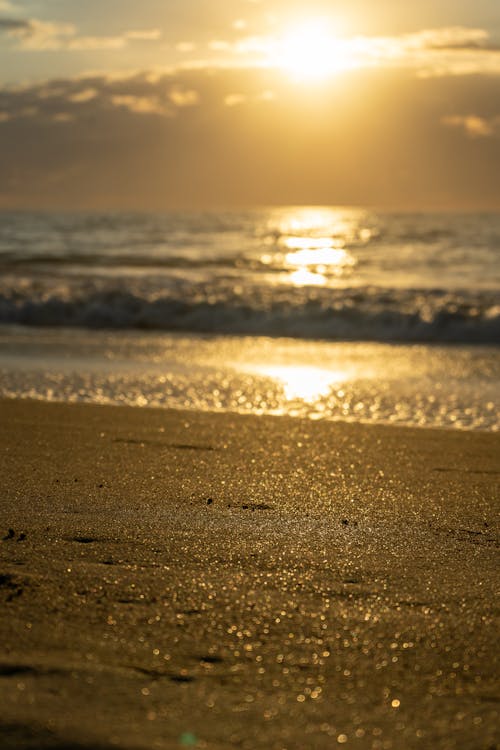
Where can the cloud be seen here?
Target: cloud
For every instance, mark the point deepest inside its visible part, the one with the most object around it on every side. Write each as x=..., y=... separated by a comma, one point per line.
x=183, y=97
x=239, y=24
x=445, y=51
x=33, y=34
x=185, y=47
x=452, y=37
x=63, y=117
x=13, y=24
x=140, y=104
x=156, y=139
x=144, y=93
x=232, y=100
x=144, y=35
x=157, y=104
x=473, y=125
x=84, y=95
x=456, y=38
x=433, y=52
x=452, y=50
x=39, y=35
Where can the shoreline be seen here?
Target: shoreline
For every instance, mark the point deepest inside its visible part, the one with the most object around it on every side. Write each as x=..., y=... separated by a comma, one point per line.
x=218, y=580
x=266, y=415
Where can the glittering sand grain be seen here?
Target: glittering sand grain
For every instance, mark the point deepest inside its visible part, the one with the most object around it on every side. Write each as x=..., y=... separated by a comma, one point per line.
x=173, y=579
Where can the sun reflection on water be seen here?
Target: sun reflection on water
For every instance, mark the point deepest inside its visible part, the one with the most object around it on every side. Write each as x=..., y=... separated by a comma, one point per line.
x=303, y=383
x=318, y=222
x=304, y=277
x=324, y=256
x=312, y=245
x=294, y=242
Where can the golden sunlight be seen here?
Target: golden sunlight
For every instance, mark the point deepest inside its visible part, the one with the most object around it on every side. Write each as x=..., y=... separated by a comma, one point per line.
x=317, y=223
x=304, y=383
x=311, y=265
x=324, y=256
x=309, y=51
x=304, y=277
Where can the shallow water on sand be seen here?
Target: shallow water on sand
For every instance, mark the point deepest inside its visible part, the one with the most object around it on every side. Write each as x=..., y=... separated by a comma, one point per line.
x=417, y=385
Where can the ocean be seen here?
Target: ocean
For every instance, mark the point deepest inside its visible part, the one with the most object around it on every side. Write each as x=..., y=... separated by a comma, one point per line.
x=308, y=311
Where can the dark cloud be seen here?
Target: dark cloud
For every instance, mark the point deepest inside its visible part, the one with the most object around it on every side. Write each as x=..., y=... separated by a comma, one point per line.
x=472, y=46
x=14, y=24
x=34, y=34
x=221, y=137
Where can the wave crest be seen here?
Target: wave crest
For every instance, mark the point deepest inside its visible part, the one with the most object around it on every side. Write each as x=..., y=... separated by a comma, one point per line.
x=370, y=314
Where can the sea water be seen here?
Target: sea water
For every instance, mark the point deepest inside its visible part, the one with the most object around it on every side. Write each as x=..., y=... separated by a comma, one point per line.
x=316, y=312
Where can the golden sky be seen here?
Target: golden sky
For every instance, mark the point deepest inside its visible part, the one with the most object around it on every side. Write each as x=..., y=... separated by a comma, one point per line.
x=190, y=103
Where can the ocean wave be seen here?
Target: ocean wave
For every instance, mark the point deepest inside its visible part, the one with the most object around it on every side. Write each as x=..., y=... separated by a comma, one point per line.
x=364, y=314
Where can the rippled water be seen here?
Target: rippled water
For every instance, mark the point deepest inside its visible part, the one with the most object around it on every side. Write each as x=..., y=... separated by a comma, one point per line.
x=336, y=274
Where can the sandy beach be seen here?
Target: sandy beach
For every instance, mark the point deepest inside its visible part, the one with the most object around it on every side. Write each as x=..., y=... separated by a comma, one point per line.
x=181, y=579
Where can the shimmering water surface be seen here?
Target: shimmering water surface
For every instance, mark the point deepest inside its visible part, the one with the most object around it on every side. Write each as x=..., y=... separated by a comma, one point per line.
x=323, y=273
x=317, y=312
x=425, y=385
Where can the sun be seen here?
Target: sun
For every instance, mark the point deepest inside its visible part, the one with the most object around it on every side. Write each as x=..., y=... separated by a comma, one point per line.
x=309, y=51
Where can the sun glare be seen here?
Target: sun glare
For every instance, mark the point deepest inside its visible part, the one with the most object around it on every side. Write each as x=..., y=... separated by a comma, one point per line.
x=303, y=383
x=309, y=51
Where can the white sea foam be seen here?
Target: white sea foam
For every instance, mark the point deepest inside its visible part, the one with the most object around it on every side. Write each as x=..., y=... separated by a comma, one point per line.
x=359, y=313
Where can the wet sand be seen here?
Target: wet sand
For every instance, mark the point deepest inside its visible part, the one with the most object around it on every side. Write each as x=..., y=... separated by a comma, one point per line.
x=182, y=579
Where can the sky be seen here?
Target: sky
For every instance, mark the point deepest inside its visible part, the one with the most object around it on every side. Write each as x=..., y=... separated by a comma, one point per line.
x=113, y=104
